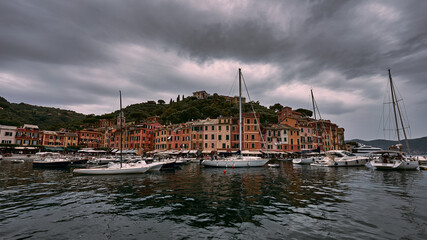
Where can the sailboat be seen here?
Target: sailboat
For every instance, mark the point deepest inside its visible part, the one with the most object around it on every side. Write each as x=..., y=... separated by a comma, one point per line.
x=237, y=160
x=309, y=158
x=394, y=159
x=117, y=168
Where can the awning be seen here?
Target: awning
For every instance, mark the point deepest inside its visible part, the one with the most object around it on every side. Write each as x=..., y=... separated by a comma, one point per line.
x=206, y=151
x=192, y=151
x=271, y=152
x=251, y=152
x=26, y=148
x=54, y=149
x=71, y=149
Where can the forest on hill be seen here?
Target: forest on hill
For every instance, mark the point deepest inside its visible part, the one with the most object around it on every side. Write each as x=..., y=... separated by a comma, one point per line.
x=181, y=110
x=47, y=118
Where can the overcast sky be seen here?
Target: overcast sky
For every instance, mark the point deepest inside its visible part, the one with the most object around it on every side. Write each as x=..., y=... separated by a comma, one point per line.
x=78, y=54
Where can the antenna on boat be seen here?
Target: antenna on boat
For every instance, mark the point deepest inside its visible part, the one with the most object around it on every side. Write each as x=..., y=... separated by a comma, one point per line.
x=240, y=111
x=315, y=119
x=121, y=130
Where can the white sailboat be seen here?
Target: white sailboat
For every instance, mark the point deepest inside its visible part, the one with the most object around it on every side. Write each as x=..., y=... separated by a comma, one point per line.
x=394, y=159
x=237, y=160
x=117, y=168
x=311, y=157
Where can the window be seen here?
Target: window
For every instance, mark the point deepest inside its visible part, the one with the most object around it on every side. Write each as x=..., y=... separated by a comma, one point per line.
x=213, y=128
x=220, y=137
x=248, y=128
x=206, y=145
x=227, y=128
x=253, y=137
x=206, y=137
x=213, y=145
x=248, y=121
x=8, y=134
x=227, y=137
x=213, y=136
x=255, y=128
x=253, y=145
x=219, y=128
x=223, y=145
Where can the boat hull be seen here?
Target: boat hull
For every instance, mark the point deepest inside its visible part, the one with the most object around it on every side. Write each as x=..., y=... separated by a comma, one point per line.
x=344, y=163
x=234, y=163
x=51, y=164
x=111, y=171
x=402, y=165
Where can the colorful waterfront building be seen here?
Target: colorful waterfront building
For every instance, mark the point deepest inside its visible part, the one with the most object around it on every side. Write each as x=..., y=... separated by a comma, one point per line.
x=7, y=134
x=277, y=137
x=223, y=134
x=52, y=138
x=197, y=133
x=91, y=138
x=28, y=135
x=251, y=133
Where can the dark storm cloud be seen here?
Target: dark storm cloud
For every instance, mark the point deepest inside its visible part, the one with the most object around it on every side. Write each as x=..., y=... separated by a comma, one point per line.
x=72, y=53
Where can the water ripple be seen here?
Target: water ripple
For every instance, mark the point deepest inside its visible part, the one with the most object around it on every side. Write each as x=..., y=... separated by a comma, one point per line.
x=295, y=202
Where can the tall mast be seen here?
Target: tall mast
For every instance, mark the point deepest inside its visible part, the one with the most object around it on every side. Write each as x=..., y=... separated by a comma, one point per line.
x=393, y=99
x=315, y=119
x=240, y=111
x=121, y=129
x=396, y=105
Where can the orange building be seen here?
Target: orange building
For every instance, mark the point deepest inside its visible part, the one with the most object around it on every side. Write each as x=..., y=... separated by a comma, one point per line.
x=91, y=138
x=28, y=135
x=251, y=133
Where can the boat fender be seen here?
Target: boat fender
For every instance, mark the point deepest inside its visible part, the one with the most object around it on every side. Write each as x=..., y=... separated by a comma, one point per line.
x=336, y=164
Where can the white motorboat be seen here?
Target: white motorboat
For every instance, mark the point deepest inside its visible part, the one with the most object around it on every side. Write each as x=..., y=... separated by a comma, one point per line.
x=104, y=160
x=341, y=158
x=17, y=161
x=392, y=160
x=308, y=158
x=51, y=160
x=365, y=150
x=273, y=165
x=236, y=161
x=239, y=160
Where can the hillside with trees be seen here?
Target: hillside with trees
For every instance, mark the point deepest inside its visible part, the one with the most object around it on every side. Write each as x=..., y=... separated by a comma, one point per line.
x=47, y=118
x=180, y=110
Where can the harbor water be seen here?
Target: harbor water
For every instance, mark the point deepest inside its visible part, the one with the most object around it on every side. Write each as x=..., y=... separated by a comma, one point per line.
x=289, y=202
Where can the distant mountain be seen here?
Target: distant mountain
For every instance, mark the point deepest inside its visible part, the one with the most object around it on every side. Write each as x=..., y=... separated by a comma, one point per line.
x=46, y=118
x=418, y=146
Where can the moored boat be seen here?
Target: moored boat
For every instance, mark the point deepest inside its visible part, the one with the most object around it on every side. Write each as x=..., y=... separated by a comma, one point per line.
x=341, y=158
x=237, y=160
x=392, y=160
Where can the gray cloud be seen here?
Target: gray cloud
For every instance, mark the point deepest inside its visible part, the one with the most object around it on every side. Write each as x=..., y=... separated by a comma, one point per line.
x=77, y=54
